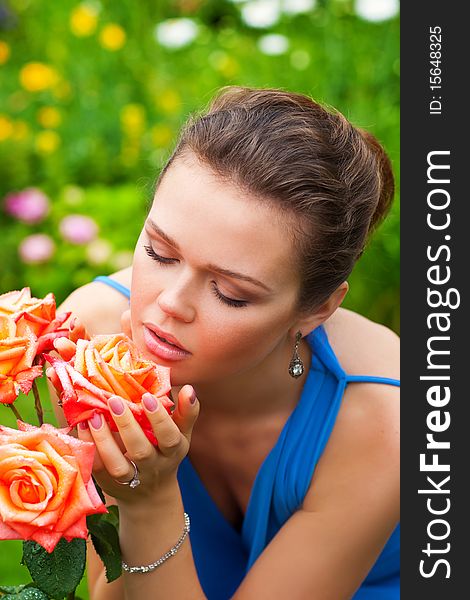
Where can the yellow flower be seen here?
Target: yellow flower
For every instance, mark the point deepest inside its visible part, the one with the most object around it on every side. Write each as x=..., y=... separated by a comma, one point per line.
x=6, y=127
x=83, y=20
x=49, y=117
x=169, y=101
x=112, y=37
x=20, y=130
x=161, y=135
x=36, y=77
x=47, y=142
x=4, y=52
x=133, y=119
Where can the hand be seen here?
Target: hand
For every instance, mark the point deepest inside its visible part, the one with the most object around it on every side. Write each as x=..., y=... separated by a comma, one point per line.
x=126, y=323
x=157, y=465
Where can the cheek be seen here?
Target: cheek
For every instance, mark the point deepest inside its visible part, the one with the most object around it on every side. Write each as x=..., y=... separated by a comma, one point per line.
x=144, y=284
x=245, y=339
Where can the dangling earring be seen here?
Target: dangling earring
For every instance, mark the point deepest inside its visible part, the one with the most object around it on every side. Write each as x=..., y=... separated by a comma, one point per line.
x=296, y=366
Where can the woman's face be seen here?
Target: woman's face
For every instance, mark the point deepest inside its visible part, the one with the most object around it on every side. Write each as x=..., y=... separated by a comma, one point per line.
x=214, y=273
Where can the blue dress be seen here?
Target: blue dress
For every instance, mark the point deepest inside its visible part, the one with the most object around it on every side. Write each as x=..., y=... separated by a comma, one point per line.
x=222, y=554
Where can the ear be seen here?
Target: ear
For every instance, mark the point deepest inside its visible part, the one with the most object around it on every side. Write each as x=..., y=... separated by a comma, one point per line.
x=310, y=322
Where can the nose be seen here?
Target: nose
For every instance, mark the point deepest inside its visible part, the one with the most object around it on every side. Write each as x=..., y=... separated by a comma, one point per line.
x=175, y=301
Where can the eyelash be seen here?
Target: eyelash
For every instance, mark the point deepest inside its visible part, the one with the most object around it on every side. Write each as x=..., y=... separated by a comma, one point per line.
x=169, y=261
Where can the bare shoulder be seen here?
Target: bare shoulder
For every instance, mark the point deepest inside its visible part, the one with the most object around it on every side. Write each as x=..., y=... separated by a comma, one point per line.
x=367, y=427
x=352, y=505
x=360, y=462
x=98, y=305
x=362, y=346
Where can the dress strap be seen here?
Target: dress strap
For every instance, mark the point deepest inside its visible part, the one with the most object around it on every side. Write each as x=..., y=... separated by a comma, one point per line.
x=372, y=379
x=114, y=284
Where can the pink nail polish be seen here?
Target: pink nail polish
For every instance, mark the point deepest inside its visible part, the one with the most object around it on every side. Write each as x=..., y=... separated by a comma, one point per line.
x=116, y=405
x=83, y=425
x=96, y=421
x=192, y=398
x=150, y=402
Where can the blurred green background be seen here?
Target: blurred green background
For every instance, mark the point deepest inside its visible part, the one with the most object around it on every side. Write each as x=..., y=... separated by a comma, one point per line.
x=93, y=94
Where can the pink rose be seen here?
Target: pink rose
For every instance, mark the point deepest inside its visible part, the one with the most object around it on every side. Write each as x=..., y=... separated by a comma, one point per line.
x=78, y=229
x=29, y=206
x=36, y=248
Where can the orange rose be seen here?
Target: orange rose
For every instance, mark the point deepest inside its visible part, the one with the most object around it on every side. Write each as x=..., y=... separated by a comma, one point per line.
x=104, y=366
x=46, y=489
x=37, y=314
x=17, y=353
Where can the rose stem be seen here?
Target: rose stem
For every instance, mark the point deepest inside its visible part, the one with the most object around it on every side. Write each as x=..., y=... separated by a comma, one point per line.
x=37, y=403
x=15, y=411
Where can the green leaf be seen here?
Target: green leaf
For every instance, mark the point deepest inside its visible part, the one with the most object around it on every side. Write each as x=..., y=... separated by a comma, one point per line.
x=113, y=515
x=57, y=573
x=21, y=592
x=105, y=537
x=11, y=589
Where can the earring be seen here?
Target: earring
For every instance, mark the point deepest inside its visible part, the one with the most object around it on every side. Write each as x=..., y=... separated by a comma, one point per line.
x=296, y=366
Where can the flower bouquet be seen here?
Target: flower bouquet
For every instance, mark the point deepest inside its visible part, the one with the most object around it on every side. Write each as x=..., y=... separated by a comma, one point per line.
x=48, y=497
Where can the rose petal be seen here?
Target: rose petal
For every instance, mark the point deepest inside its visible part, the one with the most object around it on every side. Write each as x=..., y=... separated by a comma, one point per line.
x=46, y=489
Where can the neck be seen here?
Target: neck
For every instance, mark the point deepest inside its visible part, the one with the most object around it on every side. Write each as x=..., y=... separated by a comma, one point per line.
x=263, y=391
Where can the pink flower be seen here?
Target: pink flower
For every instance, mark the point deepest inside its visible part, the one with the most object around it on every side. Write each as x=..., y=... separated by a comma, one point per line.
x=29, y=206
x=36, y=248
x=78, y=229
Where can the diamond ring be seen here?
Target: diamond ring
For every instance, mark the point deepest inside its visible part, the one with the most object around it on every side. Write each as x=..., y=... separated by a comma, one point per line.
x=135, y=481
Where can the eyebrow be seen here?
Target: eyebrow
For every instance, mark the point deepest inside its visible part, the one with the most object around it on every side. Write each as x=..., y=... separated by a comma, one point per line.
x=211, y=267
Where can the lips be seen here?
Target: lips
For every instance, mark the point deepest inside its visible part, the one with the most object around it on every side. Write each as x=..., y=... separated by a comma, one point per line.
x=164, y=350
x=166, y=337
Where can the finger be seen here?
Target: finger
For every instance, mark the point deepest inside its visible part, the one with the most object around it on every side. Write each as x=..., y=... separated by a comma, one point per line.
x=113, y=460
x=84, y=435
x=77, y=330
x=126, y=323
x=187, y=412
x=65, y=347
x=169, y=437
x=137, y=445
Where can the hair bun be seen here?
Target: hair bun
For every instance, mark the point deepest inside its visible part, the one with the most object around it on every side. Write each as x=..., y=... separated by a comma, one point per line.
x=387, y=181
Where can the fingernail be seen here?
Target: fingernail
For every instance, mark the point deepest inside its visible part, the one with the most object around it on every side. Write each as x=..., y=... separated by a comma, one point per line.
x=150, y=402
x=192, y=398
x=83, y=425
x=96, y=421
x=73, y=322
x=116, y=405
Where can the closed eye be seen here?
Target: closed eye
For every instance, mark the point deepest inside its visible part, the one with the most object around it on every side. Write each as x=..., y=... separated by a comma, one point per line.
x=226, y=300
x=221, y=297
x=160, y=259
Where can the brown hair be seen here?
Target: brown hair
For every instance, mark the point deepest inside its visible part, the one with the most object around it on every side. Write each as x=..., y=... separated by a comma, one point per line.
x=286, y=149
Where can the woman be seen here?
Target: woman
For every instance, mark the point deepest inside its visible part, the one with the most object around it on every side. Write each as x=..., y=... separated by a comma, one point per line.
x=290, y=474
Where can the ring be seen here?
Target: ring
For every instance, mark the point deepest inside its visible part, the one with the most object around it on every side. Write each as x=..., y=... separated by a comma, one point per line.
x=135, y=481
